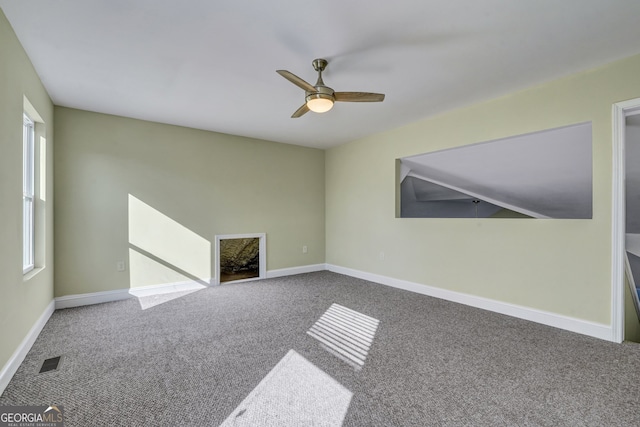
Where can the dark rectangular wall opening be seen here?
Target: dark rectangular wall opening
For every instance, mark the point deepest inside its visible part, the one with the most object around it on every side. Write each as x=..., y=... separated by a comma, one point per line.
x=239, y=259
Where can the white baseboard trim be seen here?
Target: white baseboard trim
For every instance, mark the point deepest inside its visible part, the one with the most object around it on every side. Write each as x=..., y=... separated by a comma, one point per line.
x=78, y=300
x=11, y=367
x=296, y=270
x=584, y=327
x=596, y=330
x=145, y=291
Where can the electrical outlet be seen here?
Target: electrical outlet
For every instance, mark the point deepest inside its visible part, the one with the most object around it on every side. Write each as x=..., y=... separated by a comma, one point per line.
x=381, y=256
x=304, y=249
x=120, y=266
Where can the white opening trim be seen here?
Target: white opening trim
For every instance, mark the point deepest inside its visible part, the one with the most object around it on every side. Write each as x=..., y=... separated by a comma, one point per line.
x=620, y=112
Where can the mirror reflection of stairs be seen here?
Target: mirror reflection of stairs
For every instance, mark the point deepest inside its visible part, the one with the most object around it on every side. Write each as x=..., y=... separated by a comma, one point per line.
x=632, y=243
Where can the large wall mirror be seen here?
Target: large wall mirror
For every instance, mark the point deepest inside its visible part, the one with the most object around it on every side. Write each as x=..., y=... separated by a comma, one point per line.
x=546, y=174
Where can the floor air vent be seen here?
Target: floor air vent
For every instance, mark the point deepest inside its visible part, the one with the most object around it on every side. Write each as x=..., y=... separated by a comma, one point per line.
x=50, y=364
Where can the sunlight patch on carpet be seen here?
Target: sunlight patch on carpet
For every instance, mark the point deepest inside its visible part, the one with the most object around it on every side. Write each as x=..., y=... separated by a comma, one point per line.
x=345, y=333
x=148, y=301
x=294, y=393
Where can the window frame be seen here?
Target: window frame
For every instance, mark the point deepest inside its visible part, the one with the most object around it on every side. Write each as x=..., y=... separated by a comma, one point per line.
x=28, y=194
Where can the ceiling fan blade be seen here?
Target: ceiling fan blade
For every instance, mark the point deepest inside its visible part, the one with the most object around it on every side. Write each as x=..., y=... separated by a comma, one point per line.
x=300, y=111
x=296, y=80
x=358, y=97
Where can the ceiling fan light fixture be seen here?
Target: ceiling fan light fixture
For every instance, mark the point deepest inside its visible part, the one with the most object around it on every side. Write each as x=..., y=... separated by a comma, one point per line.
x=320, y=98
x=319, y=102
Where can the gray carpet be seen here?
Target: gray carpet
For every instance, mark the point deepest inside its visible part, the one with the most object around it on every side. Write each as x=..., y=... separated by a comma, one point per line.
x=267, y=351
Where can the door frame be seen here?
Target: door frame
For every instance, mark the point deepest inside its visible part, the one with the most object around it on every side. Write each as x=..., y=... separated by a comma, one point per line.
x=620, y=111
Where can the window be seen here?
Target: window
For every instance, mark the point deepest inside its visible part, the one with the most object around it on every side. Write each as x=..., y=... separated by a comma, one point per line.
x=28, y=200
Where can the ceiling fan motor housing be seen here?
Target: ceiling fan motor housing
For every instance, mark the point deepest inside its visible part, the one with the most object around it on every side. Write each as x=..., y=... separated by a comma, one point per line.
x=321, y=100
x=322, y=92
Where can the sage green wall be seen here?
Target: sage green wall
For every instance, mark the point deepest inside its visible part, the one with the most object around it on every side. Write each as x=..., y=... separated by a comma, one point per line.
x=111, y=171
x=24, y=298
x=559, y=266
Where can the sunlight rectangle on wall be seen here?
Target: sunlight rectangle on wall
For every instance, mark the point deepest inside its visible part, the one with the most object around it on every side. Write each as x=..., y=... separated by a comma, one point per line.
x=167, y=242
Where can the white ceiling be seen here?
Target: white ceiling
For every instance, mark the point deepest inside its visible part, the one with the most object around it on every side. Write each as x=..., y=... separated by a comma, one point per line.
x=211, y=64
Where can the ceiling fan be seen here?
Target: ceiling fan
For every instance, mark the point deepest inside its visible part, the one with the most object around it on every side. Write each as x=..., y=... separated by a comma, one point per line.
x=320, y=98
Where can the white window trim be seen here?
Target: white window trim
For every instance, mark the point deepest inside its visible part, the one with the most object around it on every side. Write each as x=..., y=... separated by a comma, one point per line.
x=28, y=195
